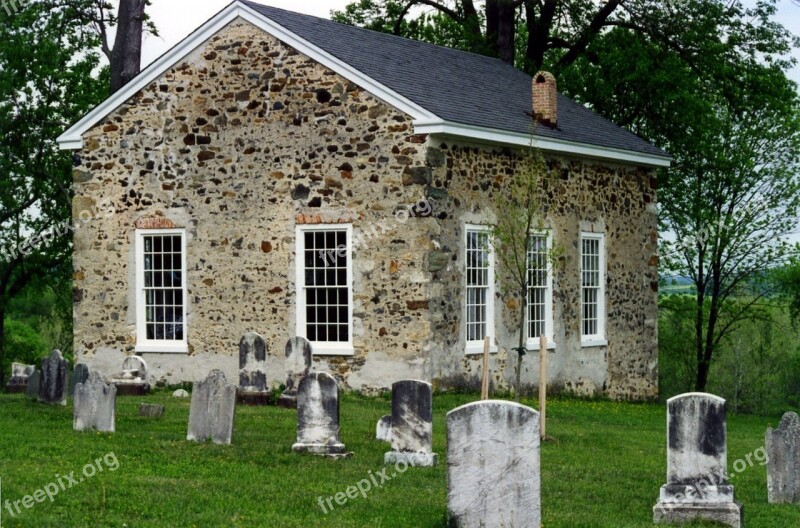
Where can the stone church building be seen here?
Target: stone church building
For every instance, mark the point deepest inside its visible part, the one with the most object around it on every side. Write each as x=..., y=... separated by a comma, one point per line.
x=291, y=176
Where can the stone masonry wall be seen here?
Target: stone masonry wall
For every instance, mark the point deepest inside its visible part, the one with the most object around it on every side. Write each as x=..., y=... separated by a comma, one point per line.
x=582, y=196
x=240, y=142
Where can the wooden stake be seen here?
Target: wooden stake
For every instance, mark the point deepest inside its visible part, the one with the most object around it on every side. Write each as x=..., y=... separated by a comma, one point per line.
x=542, y=384
x=485, y=380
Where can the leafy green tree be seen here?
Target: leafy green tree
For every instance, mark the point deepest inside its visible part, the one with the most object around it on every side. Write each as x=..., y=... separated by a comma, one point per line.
x=49, y=78
x=24, y=344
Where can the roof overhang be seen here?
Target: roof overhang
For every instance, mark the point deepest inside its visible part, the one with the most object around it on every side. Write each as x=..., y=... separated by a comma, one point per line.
x=425, y=122
x=447, y=129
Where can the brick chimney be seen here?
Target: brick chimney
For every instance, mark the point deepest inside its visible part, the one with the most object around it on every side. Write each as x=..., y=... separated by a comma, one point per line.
x=545, y=100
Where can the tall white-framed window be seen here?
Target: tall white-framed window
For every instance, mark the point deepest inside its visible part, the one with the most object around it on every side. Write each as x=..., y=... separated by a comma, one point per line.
x=324, y=279
x=161, y=291
x=539, y=316
x=479, y=287
x=593, y=290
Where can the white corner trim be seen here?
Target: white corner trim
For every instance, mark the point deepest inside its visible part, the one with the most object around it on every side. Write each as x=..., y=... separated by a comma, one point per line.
x=500, y=137
x=73, y=138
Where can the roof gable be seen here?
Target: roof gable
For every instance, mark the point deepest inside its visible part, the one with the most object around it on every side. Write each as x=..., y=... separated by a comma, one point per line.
x=456, y=93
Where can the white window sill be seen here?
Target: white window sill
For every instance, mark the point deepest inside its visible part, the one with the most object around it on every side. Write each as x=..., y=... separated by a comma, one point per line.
x=169, y=348
x=332, y=349
x=594, y=342
x=477, y=348
x=534, y=345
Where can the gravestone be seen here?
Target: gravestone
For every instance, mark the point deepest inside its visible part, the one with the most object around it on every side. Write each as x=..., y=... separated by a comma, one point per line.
x=298, y=364
x=253, y=370
x=318, y=416
x=19, y=378
x=149, y=410
x=32, y=388
x=697, y=485
x=383, y=431
x=95, y=405
x=493, y=467
x=783, y=462
x=53, y=379
x=212, y=410
x=133, y=380
x=412, y=424
x=79, y=375
x=180, y=393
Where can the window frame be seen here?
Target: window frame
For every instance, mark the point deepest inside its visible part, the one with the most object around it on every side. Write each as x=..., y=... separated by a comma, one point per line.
x=322, y=348
x=599, y=338
x=476, y=347
x=532, y=342
x=144, y=345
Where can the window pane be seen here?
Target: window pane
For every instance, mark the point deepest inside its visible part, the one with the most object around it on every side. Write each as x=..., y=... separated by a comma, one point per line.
x=163, y=287
x=327, y=289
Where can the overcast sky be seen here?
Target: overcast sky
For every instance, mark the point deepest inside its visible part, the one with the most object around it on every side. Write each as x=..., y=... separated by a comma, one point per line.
x=177, y=18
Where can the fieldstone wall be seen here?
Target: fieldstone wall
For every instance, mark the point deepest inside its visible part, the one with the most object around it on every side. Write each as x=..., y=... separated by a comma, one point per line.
x=581, y=196
x=245, y=139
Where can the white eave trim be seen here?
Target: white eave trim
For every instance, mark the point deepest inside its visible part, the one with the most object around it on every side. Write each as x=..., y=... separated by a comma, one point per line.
x=500, y=137
x=72, y=139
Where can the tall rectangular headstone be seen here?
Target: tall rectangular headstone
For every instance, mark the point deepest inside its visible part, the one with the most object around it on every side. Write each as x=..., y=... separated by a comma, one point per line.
x=697, y=485
x=298, y=364
x=318, y=416
x=493, y=466
x=19, y=378
x=53, y=379
x=212, y=410
x=783, y=462
x=95, y=405
x=412, y=424
x=253, y=370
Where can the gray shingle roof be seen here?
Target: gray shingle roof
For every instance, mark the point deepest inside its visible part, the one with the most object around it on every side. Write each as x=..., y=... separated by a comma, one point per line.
x=457, y=86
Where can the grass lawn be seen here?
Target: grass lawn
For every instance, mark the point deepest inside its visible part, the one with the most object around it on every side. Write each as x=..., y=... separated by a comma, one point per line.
x=603, y=469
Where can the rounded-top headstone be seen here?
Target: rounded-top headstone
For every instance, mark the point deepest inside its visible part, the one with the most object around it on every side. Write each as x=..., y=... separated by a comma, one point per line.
x=95, y=404
x=135, y=363
x=253, y=362
x=783, y=461
x=696, y=431
x=53, y=385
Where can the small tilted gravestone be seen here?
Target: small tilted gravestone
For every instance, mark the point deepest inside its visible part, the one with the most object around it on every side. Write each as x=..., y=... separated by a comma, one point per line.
x=212, y=410
x=133, y=380
x=493, y=466
x=383, y=431
x=53, y=379
x=412, y=424
x=253, y=370
x=180, y=393
x=95, y=405
x=318, y=416
x=697, y=485
x=783, y=465
x=32, y=388
x=19, y=377
x=150, y=410
x=298, y=364
x=79, y=375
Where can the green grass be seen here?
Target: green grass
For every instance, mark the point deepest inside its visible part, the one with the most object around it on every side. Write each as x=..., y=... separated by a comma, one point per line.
x=603, y=469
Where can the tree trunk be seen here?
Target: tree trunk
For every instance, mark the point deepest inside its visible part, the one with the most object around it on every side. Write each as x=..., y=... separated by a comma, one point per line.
x=501, y=28
x=126, y=57
x=538, y=33
x=523, y=305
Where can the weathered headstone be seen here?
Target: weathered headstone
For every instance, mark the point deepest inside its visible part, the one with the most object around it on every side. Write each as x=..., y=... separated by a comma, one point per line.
x=150, y=410
x=53, y=379
x=19, y=377
x=253, y=370
x=32, y=389
x=95, y=405
x=697, y=485
x=79, y=375
x=412, y=424
x=493, y=466
x=180, y=393
x=383, y=431
x=133, y=380
x=212, y=410
x=783, y=462
x=318, y=416
x=298, y=364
